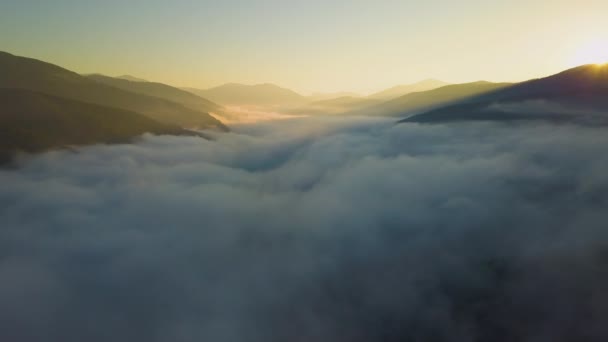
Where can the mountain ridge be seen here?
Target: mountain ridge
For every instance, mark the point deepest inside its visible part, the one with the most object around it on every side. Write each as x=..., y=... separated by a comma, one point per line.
x=425, y=100
x=33, y=122
x=32, y=74
x=579, y=93
x=263, y=94
x=401, y=90
x=160, y=90
x=131, y=78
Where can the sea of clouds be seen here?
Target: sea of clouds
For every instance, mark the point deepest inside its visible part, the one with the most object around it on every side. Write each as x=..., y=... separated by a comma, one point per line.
x=312, y=230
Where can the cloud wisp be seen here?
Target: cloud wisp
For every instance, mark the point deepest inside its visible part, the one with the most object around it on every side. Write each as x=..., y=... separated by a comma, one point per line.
x=312, y=230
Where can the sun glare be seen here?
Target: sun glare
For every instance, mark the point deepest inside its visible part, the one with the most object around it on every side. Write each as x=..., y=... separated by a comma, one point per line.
x=594, y=52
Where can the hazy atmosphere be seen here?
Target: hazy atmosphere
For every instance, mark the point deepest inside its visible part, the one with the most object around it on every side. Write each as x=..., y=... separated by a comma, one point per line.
x=309, y=46
x=331, y=171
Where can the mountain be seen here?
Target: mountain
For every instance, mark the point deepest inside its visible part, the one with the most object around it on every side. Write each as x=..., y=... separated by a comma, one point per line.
x=131, y=78
x=421, y=101
x=401, y=90
x=345, y=101
x=330, y=96
x=31, y=74
x=253, y=95
x=161, y=91
x=35, y=122
x=578, y=94
x=335, y=106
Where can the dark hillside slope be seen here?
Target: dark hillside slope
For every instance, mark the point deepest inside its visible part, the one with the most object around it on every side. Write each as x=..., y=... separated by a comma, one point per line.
x=162, y=91
x=426, y=100
x=31, y=74
x=579, y=94
x=36, y=122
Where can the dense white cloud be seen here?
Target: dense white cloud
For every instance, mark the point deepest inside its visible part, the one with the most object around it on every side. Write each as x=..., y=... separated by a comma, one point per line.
x=311, y=229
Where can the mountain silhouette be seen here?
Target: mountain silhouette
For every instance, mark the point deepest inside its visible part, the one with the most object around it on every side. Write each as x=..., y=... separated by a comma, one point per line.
x=132, y=78
x=35, y=122
x=161, y=91
x=421, y=101
x=331, y=96
x=26, y=73
x=579, y=94
x=251, y=95
x=401, y=90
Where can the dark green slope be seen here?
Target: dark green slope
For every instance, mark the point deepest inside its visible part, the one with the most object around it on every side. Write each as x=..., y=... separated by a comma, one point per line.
x=578, y=94
x=31, y=74
x=162, y=91
x=35, y=122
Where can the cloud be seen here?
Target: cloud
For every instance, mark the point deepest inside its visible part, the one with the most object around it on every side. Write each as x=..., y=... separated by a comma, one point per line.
x=311, y=229
x=552, y=110
x=235, y=115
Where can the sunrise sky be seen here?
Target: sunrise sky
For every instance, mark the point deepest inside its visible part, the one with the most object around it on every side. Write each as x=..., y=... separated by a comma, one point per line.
x=309, y=46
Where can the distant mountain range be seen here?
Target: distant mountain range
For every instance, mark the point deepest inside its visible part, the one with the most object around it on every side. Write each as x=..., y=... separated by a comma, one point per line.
x=408, y=104
x=579, y=94
x=432, y=100
x=330, y=96
x=233, y=94
x=402, y=90
x=44, y=106
x=45, y=92
x=270, y=95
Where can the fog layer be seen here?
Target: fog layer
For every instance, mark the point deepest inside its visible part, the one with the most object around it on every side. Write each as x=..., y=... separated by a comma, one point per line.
x=312, y=230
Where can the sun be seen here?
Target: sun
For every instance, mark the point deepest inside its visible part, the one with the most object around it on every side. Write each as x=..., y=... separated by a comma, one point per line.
x=593, y=52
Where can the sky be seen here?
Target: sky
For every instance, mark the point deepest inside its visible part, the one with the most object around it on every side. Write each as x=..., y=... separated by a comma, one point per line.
x=309, y=46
